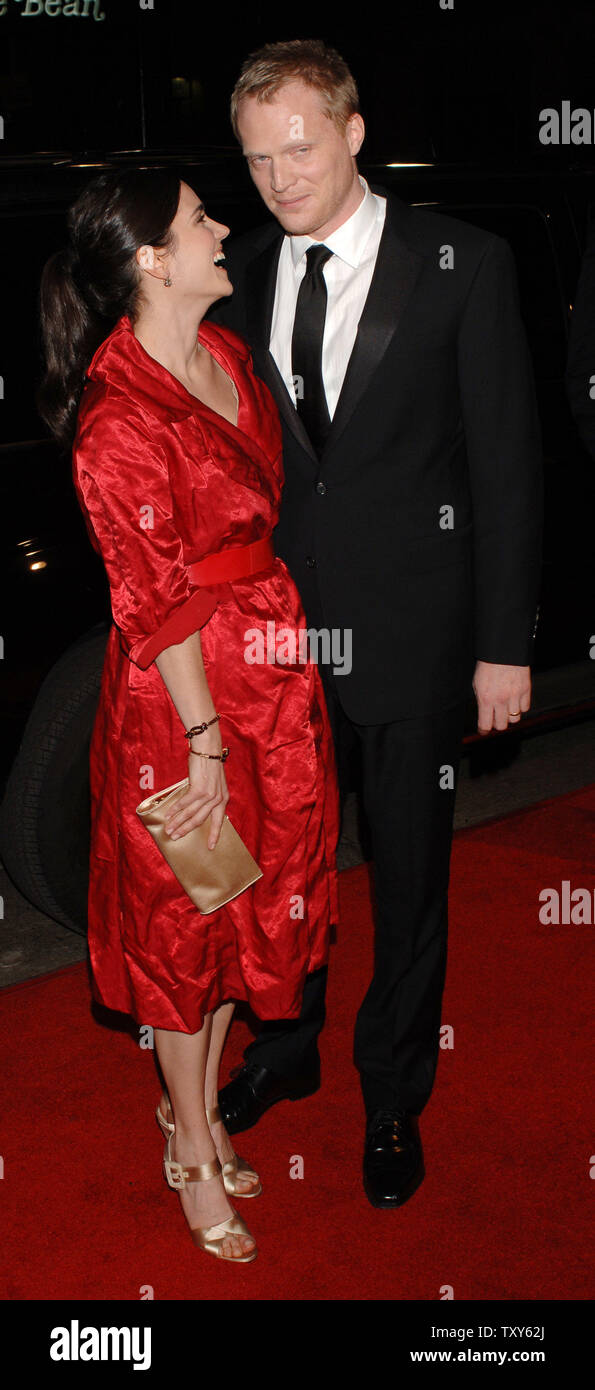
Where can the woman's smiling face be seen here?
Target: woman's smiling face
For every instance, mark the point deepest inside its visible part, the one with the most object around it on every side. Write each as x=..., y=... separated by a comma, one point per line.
x=190, y=263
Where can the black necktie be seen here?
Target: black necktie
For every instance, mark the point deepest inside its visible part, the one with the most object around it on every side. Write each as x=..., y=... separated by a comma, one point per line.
x=306, y=348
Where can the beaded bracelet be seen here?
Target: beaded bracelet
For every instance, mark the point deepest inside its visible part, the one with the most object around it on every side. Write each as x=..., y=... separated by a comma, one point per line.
x=200, y=728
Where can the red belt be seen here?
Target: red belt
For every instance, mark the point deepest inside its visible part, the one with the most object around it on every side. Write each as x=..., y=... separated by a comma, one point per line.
x=233, y=563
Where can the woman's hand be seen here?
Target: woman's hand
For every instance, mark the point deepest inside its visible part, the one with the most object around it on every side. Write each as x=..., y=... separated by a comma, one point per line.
x=207, y=791
x=182, y=670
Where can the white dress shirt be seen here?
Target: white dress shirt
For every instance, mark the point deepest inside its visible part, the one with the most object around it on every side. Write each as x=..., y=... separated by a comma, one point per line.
x=348, y=274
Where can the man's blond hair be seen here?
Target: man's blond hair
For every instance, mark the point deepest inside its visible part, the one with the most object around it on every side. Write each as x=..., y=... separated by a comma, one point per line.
x=304, y=60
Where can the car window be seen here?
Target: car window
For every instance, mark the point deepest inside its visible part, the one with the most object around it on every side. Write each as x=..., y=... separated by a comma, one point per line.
x=31, y=238
x=542, y=302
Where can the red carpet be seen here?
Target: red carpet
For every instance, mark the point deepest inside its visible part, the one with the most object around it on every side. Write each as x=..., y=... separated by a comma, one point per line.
x=504, y=1209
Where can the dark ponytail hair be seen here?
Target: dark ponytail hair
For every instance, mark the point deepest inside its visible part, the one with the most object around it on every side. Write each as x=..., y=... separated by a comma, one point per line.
x=87, y=287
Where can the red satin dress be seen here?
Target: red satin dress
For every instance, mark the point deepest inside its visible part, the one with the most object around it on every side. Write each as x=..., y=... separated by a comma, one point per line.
x=163, y=482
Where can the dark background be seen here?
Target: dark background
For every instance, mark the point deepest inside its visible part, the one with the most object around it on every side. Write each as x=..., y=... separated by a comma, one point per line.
x=461, y=84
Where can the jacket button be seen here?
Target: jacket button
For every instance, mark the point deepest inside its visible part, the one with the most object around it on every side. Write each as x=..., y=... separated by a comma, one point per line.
x=310, y=561
x=321, y=488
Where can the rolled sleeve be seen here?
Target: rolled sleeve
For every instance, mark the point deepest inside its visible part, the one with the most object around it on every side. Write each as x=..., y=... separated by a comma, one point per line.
x=122, y=481
x=189, y=618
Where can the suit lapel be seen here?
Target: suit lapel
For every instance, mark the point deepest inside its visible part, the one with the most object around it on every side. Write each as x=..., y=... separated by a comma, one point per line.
x=395, y=274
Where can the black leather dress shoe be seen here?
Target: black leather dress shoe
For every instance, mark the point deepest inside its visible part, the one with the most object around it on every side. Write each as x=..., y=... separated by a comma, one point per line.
x=255, y=1089
x=393, y=1158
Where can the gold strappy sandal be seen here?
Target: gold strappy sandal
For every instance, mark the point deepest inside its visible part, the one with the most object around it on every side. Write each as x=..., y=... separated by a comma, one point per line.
x=209, y=1238
x=235, y=1167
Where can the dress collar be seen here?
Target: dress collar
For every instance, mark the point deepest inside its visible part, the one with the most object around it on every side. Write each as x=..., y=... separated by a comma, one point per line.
x=122, y=363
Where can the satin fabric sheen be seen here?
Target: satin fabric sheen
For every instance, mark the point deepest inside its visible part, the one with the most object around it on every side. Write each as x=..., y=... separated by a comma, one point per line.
x=163, y=481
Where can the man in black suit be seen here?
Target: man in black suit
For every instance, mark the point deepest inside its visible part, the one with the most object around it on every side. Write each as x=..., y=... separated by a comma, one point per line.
x=392, y=343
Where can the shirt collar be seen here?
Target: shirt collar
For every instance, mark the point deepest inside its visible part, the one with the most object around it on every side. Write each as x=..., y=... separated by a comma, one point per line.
x=349, y=240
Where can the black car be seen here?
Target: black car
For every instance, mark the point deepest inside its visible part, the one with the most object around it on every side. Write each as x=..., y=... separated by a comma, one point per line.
x=55, y=626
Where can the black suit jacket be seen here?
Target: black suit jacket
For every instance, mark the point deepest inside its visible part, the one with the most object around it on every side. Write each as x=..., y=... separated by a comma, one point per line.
x=580, y=371
x=437, y=411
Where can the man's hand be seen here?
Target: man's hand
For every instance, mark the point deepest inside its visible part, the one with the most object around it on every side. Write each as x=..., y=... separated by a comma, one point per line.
x=503, y=693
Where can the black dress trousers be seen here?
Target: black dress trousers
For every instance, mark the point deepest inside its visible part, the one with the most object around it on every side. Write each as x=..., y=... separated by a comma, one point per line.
x=410, y=816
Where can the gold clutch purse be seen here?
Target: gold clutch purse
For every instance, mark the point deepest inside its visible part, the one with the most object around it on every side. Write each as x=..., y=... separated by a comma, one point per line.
x=211, y=877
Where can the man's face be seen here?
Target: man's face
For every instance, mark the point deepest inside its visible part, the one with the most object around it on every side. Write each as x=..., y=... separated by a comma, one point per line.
x=303, y=166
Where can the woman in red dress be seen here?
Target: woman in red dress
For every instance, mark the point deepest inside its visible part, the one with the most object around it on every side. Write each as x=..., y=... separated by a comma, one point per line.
x=176, y=458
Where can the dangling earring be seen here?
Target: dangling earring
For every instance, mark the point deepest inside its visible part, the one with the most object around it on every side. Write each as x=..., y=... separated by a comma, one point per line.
x=167, y=280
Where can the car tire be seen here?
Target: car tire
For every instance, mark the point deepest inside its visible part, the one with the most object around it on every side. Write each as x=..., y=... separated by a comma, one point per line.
x=45, y=813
